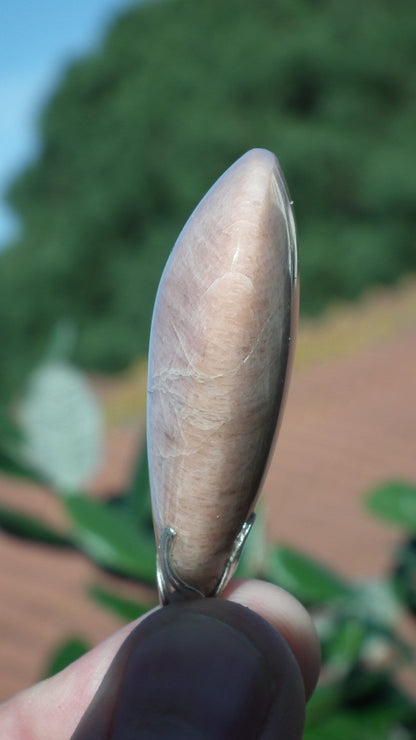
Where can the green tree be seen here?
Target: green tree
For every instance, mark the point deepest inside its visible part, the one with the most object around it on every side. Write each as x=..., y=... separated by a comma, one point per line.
x=138, y=130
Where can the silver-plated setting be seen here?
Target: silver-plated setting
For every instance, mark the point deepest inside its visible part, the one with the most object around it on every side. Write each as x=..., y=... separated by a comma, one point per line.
x=172, y=588
x=235, y=554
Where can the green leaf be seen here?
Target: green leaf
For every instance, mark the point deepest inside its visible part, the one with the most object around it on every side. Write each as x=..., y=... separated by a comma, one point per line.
x=138, y=495
x=348, y=725
x=344, y=648
x=404, y=576
x=395, y=502
x=111, y=538
x=371, y=721
x=63, y=425
x=11, y=443
x=376, y=602
x=127, y=609
x=65, y=654
x=10, y=464
x=334, y=708
x=326, y=700
x=31, y=528
x=8, y=429
x=307, y=579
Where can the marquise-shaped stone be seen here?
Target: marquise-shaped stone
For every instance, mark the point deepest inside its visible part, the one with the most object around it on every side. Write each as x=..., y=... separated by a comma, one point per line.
x=222, y=336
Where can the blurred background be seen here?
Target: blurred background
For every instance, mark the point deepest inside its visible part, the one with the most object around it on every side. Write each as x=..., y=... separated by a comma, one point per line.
x=117, y=116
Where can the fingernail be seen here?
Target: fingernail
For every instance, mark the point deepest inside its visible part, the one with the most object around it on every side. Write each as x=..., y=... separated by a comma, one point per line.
x=210, y=669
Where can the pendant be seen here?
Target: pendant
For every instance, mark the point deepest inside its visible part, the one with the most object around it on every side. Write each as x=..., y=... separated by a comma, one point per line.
x=222, y=338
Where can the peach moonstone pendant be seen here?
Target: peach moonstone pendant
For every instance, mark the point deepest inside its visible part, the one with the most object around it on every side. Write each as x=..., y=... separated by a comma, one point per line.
x=223, y=332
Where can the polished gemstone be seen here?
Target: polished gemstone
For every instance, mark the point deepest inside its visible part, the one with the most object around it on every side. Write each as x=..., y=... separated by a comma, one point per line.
x=222, y=336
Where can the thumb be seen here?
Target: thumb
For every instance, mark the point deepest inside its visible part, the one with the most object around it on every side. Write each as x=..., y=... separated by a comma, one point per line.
x=204, y=669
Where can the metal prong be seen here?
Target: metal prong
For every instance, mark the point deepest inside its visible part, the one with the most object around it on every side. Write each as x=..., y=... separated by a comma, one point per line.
x=235, y=554
x=171, y=586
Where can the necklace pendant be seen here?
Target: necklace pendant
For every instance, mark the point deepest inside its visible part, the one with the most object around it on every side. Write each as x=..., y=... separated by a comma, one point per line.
x=222, y=338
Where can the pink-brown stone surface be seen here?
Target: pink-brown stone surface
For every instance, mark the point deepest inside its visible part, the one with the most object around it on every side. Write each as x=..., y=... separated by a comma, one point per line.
x=222, y=331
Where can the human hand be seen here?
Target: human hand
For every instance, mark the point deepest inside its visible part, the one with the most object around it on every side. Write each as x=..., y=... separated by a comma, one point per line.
x=238, y=677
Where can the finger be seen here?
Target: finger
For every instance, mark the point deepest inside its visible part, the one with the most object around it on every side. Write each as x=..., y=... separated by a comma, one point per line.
x=288, y=617
x=54, y=707
x=206, y=669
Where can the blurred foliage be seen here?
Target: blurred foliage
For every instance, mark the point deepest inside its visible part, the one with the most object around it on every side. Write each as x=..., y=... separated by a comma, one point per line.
x=395, y=502
x=138, y=131
x=70, y=650
x=62, y=437
x=358, y=622
x=112, y=537
x=309, y=581
x=126, y=609
x=31, y=528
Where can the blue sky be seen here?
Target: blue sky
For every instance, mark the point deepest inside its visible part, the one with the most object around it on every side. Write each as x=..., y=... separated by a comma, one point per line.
x=37, y=40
